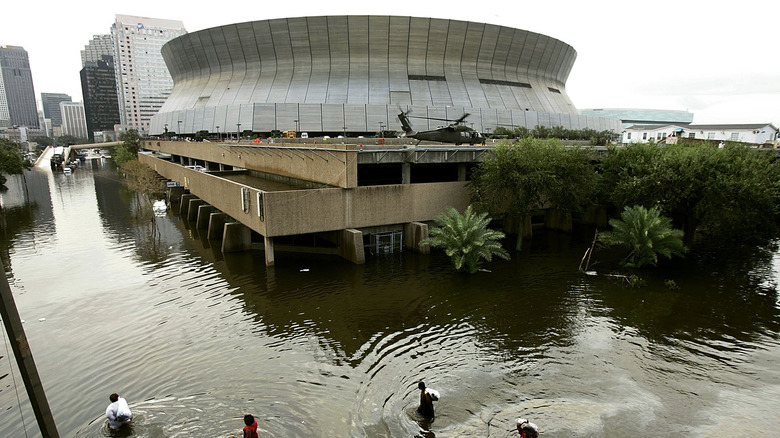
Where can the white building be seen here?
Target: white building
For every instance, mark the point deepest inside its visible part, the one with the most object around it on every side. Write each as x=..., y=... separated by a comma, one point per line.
x=74, y=121
x=142, y=78
x=757, y=133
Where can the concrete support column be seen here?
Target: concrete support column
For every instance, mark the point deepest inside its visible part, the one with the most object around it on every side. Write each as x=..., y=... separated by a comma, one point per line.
x=406, y=173
x=414, y=232
x=268, y=242
x=184, y=204
x=236, y=237
x=216, y=225
x=351, y=246
x=461, y=172
x=174, y=194
x=192, y=212
x=560, y=220
x=204, y=215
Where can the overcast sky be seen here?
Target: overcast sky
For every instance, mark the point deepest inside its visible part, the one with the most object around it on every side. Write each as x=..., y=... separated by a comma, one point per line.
x=718, y=60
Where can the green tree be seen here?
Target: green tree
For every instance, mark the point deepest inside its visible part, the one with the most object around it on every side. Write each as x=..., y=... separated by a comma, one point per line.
x=12, y=162
x=532, y=174
x=466, y=239
x=646, y=234
x=43, y=141
x=128, y=150
x=727, y=193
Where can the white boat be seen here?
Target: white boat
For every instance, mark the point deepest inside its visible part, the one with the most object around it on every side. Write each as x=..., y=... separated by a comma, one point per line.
x=160, y=207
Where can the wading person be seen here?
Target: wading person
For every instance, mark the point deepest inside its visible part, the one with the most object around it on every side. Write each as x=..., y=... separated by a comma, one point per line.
x=118, y=412
x=527, y=429
x=427, y=397
x=250, y=430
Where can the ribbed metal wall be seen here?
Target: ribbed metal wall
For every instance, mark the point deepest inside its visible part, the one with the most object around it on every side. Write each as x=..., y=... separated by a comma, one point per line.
x=351, y=73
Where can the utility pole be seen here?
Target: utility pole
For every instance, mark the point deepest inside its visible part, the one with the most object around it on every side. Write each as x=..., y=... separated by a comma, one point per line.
x=25, y=362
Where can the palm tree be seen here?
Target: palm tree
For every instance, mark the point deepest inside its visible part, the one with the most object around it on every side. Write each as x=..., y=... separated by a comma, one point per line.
x=466, y=239
x=647, y=234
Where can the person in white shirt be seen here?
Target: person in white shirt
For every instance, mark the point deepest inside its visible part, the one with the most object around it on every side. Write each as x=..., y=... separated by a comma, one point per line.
x=118, y=412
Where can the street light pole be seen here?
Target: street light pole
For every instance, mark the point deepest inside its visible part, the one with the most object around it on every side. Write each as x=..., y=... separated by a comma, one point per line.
x=219, y=137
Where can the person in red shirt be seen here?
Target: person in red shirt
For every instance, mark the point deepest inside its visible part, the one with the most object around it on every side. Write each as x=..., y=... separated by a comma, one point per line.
x=250, y=430
x=527, y=429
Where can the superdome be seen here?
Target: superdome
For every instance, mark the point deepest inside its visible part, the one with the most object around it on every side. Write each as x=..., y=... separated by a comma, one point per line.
x=352, y=74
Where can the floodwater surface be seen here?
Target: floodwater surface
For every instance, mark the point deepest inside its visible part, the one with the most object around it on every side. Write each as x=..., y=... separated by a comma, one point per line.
x=319, y=347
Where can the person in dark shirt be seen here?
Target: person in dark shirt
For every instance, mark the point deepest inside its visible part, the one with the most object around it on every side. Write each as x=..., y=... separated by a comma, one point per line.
x=427, y=397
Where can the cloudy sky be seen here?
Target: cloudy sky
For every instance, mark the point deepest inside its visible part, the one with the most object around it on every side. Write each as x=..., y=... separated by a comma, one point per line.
x=720, y=62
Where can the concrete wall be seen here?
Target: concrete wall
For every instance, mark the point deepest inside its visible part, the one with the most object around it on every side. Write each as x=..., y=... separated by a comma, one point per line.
x=317, y=210
x=333, y=164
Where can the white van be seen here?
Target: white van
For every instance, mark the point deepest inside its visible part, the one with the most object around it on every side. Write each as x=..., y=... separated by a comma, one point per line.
x=304, y=135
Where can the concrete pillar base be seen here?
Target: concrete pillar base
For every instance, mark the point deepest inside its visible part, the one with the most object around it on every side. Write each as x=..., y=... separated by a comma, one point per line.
x=414, y=232
x=184, y=204
x=174, y=194
x=192, y=212
x=558, y=220
x=269, y=250
x=351, y=246
x=204, y=215
x=236, y=237
x=216, y=225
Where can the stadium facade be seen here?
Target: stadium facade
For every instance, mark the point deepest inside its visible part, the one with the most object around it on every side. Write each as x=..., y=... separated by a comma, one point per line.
x=330, y=75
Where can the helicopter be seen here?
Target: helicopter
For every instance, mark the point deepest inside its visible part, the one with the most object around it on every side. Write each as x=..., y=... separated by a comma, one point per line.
x=456, y=132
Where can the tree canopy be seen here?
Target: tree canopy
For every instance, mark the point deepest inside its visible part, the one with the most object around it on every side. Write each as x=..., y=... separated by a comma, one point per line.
x=532, y=174
x=731, y=192
x=12, y=162
x=128, y=150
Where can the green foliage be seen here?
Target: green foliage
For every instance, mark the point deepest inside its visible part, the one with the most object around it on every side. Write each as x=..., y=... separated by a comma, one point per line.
x=201, y=135
x=646, y=234
x=12, y=162
x=466, y=239
x=43, y=141
x=128, y=150
x=532, y=174
x=729, y=193
x=671, y=285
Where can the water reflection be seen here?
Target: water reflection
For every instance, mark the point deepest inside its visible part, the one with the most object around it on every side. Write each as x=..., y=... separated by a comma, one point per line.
x=316, y=346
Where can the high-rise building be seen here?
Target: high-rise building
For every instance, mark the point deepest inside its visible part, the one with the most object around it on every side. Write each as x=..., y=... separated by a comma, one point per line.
x=51, y=106
x=17, y=93
x=98, y=47
x=142, y=78
x=73, y=120
x=98, y=85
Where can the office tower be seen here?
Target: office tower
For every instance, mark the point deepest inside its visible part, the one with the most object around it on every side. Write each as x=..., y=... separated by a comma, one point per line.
x=98, y=47
x=142, y=78
x=98, y=85
x=17, y=93
x=73, y=120
x=51, y=106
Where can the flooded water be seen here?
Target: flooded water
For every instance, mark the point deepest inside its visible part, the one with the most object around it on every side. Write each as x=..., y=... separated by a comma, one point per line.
x=319, y=347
